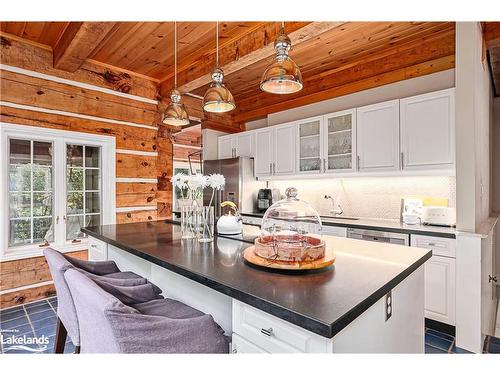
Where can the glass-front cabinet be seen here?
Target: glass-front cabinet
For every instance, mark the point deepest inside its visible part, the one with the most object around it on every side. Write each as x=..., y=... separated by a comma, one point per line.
x=340, y=147
x=309, y=145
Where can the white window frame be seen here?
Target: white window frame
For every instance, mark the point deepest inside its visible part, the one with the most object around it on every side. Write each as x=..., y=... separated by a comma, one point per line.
x=59, y=138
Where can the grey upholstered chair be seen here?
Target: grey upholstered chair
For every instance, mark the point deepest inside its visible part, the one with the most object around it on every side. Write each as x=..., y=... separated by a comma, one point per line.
x=160, y=326
x=106, y=271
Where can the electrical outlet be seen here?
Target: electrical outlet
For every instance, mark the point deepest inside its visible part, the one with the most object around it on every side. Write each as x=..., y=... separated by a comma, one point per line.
x=388, y=306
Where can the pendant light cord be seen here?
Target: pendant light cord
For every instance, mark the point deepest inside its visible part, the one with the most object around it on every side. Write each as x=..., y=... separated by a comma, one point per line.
x=175, y=54
x=217, y=45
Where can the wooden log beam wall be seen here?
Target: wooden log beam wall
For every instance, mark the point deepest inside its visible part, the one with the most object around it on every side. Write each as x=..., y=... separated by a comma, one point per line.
x=93, y=99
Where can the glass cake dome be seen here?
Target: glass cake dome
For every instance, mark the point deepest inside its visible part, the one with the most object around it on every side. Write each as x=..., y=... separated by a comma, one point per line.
x=290, y=231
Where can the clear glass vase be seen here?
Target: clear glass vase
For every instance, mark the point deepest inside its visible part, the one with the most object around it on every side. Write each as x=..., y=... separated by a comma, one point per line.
x=205, y=224
x=188, y=222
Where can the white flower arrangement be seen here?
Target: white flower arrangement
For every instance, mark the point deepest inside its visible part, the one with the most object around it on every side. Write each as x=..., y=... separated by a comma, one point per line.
x=195, y=184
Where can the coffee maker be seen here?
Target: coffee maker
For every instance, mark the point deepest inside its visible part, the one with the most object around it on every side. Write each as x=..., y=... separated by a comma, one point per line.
x=264, y=199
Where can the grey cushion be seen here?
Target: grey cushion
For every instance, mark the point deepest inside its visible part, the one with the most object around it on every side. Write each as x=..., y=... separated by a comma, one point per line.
x=109, y=326
x=108, y=270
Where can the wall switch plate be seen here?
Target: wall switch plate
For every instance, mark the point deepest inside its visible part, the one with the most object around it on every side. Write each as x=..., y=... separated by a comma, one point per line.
x=388, y=306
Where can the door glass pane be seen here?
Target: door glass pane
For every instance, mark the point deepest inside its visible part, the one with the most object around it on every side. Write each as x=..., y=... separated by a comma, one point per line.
x=83, y=185
x=20, y=177
x=74, y=178
x=73, y=225
x=43, y=230
x=42, y=178
x=20, y=205
x=92, y=203
x=92, y=179
x=75, y=203
x=20, y=232
x=340, y=142
x=42, y=204
x=91, y=157
x=30, y=191
x=20, y=151
x=309, y=146
x=74, y=155
x=42, y=153
x=340, y=123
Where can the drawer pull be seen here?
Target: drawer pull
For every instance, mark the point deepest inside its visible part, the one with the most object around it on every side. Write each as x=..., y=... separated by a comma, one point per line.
x=268, y=332
x=431, y=244
x=234, y=351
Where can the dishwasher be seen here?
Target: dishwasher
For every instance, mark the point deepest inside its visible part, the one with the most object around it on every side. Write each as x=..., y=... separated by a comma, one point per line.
x=379, y=236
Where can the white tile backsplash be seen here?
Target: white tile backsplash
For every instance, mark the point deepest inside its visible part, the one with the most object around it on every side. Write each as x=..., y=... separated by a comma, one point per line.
x=370, y=197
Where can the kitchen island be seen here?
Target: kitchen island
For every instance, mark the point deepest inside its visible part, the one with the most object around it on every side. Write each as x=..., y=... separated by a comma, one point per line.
x=370, y=300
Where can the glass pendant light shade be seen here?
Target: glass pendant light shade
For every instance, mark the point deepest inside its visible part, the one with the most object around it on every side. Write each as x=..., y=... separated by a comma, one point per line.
x=218, y=98
x=282, y=76
x=176, y=113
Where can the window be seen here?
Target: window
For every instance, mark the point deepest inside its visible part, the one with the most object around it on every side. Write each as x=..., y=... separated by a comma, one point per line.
x=182, y=167
x=57, y=183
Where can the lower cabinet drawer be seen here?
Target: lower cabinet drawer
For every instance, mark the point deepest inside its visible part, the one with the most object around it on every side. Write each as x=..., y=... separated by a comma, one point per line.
x=240, y=345
x=272, y=334
x=440, y=246
x=98, y=250
x=334, y=231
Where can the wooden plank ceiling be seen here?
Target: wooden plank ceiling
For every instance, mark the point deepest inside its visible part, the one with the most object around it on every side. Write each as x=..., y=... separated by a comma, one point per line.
x=336, y=58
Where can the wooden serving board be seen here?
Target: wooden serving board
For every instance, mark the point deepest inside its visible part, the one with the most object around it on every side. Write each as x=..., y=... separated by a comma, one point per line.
x=327, y=260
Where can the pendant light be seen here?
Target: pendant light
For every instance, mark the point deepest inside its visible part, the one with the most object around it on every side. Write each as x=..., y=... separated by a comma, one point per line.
x=282, y=76
x=176, y=113
x=218, y=98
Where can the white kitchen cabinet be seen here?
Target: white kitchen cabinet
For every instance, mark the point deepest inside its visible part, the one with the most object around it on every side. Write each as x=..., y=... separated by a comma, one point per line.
x=245, y=144
x=310, y=158
x=439, y=277
x=284, y=149
x=339, y=137
x=264, y=152
x=239, y=144
x=227, y=146
x=241, y=346
x=329, y=230
x=440, y=289
x=428, y=131
x=378, y=137
x=97, y=250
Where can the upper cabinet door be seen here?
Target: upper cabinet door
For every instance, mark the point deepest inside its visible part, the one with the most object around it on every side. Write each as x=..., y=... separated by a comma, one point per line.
x=309, y=145
x=428, y=131
x=244, y=144
x=378, y=137
x=284, y=149
x=226, y=147
x=340, y=141
x=263, y=164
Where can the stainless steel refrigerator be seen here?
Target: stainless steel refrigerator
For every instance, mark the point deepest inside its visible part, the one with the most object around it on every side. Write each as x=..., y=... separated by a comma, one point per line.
x=241, y=186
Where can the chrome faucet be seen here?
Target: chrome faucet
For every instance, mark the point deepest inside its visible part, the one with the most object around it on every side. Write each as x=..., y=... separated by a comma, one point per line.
x=333, y=211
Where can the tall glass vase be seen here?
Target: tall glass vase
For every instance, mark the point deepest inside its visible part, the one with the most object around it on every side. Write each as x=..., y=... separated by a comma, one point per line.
x=205, y=224
x=188, y=222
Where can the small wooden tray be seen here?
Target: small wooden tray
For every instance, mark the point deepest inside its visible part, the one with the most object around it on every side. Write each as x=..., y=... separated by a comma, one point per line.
x=251, y=257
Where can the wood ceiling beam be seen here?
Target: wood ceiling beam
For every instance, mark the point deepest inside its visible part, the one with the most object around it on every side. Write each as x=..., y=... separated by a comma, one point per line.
x=78, y=42
x=245, y=51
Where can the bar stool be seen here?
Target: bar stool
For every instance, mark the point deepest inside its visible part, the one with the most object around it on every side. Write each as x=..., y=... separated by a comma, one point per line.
x=160, y=326
x=67, y=320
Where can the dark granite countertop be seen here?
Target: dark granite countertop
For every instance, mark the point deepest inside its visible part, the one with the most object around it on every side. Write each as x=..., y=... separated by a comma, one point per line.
x=383, y=225
x=323, y=302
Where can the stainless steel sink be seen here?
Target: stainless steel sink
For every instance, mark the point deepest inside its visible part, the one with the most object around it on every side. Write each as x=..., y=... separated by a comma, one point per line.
x=339, y=218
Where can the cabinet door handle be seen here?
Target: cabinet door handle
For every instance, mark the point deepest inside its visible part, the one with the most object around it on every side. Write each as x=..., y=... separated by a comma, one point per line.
x=268, y=332
x=274, y=168
x=402, y=160
x=324, y=165
x=270, y=168
x=358, y=162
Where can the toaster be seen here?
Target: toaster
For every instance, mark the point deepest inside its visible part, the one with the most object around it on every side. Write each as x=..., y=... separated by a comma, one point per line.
x=438, y=215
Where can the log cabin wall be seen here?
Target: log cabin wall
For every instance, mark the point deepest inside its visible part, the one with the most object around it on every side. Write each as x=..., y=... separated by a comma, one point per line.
x=93, y=99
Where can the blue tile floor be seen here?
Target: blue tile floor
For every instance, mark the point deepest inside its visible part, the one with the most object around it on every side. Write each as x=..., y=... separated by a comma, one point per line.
x=38, y=319
x=33, y=320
